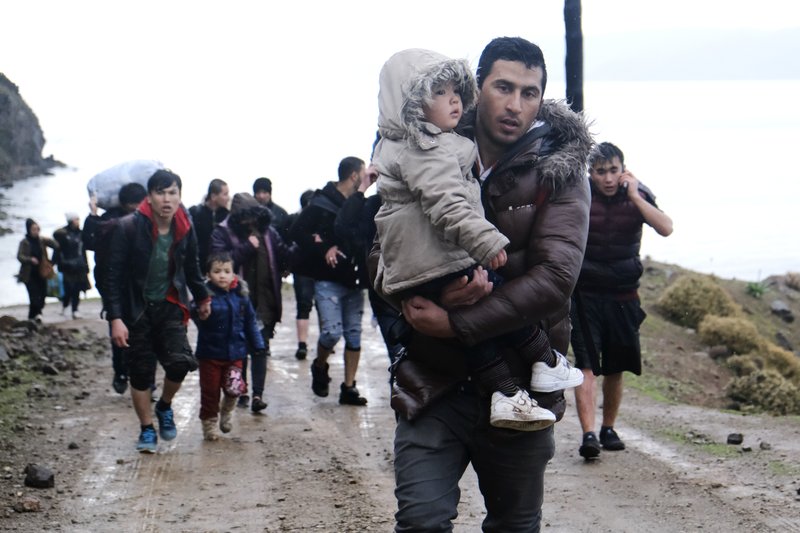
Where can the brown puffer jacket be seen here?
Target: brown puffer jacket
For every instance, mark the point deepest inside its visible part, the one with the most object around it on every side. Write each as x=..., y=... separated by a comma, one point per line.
x=538, y=197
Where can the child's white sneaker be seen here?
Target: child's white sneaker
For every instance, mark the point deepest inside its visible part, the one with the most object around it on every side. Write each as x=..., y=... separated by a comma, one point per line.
x=520, y=412
x=550, y=379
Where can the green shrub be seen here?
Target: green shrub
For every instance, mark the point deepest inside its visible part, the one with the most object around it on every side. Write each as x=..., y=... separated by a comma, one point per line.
x=692, y=297
x=738, y=334
x=756, y=289
x=766, y=390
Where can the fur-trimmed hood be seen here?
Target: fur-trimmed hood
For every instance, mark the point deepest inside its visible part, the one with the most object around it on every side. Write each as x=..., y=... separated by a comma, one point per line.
x=562, y=156
x=406, y=80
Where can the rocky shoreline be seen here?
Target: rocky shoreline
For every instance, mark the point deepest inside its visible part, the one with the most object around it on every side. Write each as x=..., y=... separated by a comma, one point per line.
x=21, y=138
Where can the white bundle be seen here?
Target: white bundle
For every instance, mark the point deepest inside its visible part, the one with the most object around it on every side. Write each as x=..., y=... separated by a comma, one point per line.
x=106, y=184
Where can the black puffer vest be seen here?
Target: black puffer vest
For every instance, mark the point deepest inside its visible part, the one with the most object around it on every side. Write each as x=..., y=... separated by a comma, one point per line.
x=612, y=262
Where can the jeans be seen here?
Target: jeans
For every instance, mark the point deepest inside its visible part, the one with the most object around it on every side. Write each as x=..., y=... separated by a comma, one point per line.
x=304, y=294
x=433, y=451
x=340, y=310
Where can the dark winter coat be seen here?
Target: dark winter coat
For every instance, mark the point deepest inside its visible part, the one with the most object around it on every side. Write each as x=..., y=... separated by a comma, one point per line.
x=97, y=234
x=537, y=197
x=280, y=220
x=612, y=262
x=204, y=221
x=129, y=261
x=319, y=217
x=229, y=237
x=26, y=251
x=225, y=334
x=71, y=256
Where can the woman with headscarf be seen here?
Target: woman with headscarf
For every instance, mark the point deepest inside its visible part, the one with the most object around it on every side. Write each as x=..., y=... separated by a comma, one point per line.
x=32, y=249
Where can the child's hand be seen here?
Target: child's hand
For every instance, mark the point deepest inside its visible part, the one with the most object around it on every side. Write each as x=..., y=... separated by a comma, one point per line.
x=498, y=260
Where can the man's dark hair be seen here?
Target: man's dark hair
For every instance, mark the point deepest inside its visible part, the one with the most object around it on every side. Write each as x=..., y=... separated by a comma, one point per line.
x=606, y=152
x=218, y=257
x=262, y=184
x=348, y=165
x=305, y=198
x=511, y=49
x=215, y=187
x=163, y=179
x=132, y=193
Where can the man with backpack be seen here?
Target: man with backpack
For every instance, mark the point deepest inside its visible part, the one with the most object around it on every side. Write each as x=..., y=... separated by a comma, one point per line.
x=97, y=233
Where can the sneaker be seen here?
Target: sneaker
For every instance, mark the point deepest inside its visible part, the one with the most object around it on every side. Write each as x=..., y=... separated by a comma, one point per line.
x=302, y=352
x=610, y=440
x=562, y=376
x=520, y=412
x=320, y=379
x=350, y=395
x=244, y=401
x=590, y=448
x=258, y=404
x=120, y=383
x=148, y=440
x=37, y=319
x=76, y=315
x=166, y=423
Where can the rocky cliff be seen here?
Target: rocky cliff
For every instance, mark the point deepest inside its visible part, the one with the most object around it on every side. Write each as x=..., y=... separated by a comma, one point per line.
x=21, y=137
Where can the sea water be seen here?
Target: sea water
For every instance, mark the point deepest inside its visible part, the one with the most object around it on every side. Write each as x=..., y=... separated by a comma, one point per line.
x=719, y=156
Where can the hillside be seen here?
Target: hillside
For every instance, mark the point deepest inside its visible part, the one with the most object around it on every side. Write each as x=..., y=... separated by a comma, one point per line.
x=21, y=137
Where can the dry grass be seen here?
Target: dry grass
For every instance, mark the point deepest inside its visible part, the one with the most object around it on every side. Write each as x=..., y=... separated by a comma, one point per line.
x=738, y=334
x=792, y=280
x=767, y=390
x=692, y=297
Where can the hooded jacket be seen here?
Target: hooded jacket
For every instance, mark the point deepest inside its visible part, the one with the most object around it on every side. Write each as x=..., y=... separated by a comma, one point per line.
x=129, y=262
x=232, y=324
x=318, y=219
x=537, y=195
x=431, y=222
x=232, y=236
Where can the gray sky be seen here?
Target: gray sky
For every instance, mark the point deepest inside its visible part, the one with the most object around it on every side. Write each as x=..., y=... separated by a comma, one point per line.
x=283, y=89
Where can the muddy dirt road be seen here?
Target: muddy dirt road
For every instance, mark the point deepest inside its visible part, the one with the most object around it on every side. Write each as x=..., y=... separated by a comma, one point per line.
x=309, y=464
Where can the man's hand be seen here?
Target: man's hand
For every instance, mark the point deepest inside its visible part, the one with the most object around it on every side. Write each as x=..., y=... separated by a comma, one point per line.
x=629, y=182
x=332, y=256
x=427, y=317
x=34, y=261
x=119, y=333
x=204, y=309
x=253, y=240
x=465, y=292
x=498, y=260
x=371, y=177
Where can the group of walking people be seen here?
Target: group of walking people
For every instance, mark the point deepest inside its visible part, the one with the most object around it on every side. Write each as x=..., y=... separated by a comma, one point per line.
x=70, y=276
x=486, y=251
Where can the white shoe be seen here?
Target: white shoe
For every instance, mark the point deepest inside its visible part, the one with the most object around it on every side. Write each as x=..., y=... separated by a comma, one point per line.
x=562, y=376
x=76, y=315
x=520, y=412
